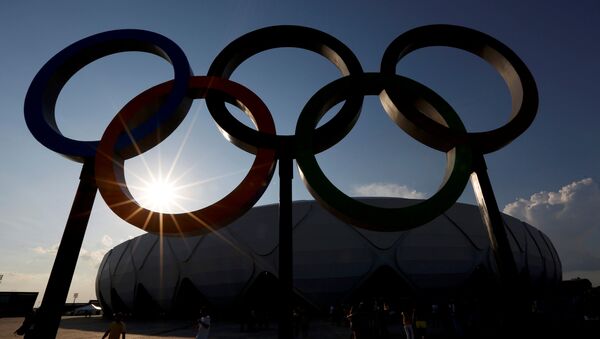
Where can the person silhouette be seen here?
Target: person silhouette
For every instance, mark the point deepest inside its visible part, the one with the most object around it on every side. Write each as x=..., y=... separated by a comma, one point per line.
x=203, y=325
x=116, y=328
x=407, y=321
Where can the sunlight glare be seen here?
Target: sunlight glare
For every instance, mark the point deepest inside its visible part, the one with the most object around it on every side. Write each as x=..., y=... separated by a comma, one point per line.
x=160, y=195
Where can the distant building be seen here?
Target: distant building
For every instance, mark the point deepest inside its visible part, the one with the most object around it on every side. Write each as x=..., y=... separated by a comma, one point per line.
x=333, y=262
x=16, y=304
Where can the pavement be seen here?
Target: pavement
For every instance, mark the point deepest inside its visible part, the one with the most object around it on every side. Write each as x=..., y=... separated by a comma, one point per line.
x=94, y=327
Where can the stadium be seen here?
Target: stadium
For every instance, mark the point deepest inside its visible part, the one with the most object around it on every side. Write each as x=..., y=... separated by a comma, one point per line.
x=334, y=262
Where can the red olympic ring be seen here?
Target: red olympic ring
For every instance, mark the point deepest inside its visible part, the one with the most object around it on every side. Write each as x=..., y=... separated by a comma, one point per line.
x=110, y=176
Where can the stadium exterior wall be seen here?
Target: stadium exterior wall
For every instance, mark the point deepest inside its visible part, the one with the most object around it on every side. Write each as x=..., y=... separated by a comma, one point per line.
x=332, y=260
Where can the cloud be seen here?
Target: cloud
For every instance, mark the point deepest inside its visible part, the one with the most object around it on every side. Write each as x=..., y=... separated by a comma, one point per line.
x=571, y=218
x=93, y=257
x=107, y=241
x=387, y=190
x=49, y=250
x=83, y=283
x=19, y=277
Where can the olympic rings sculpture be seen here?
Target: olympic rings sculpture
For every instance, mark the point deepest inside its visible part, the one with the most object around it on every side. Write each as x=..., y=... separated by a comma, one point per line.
x=151, y=116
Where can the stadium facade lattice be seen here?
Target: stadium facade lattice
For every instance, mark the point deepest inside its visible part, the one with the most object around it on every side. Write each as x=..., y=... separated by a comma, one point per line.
x=334, y=262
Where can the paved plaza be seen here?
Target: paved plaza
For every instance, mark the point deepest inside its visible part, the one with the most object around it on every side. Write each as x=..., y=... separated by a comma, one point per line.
x=94, y=327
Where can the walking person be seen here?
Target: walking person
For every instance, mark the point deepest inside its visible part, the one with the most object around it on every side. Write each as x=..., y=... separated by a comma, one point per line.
x=116, y=328
x=358, y=322
x=407, y=321
x=203, y=325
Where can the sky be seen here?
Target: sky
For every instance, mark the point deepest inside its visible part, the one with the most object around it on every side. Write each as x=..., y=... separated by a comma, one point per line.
x=547, y=177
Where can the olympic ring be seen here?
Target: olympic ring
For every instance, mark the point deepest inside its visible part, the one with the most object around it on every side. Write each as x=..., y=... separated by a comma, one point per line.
x=110, y=176
x=43, y=92
x=151, y=116
x=272, y=37
x=412, y=106
x=516, y=75
x=458, y=167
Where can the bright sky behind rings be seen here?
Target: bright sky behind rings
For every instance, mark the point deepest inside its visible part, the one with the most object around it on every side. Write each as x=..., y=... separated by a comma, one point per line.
x=548, y=176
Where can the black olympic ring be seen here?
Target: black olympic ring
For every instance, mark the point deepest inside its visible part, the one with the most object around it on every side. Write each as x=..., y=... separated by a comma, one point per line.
x=268, y=38
x=147, y=119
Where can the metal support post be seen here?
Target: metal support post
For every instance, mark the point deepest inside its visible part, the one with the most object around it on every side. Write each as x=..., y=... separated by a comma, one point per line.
x=286, y=284
x=49, y=314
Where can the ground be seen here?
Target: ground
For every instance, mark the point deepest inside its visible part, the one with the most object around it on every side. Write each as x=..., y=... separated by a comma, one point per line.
x=94, y=327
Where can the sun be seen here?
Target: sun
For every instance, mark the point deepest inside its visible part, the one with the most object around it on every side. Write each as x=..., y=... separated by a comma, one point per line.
x=160, y=195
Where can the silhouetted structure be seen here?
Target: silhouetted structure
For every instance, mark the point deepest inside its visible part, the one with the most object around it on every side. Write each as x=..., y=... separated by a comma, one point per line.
x=402, y=98
x=335, y=263
x=16, y=304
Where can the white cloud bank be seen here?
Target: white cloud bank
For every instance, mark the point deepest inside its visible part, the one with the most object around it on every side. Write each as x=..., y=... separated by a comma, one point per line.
x=571, y=218
x=93, y=257
x=387, y=190
x=84, y=277
x=49, y=250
